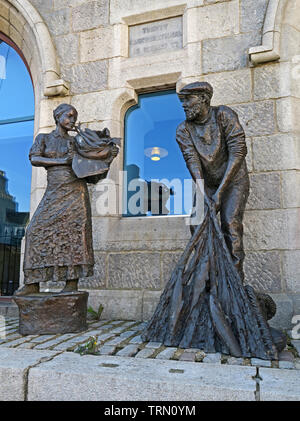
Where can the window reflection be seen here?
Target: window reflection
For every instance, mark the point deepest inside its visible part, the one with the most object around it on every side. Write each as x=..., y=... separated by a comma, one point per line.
x=156, y=179
x=16, y=135
x=16, y=92
x=15, y=142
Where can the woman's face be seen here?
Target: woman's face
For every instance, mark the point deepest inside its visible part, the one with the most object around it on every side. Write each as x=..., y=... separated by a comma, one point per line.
x=68, y=119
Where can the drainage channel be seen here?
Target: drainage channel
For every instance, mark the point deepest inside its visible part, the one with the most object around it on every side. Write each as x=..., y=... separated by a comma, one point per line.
x=257, y=378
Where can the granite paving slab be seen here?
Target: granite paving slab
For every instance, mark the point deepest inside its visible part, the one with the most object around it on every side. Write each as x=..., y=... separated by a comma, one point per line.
x=113, y=378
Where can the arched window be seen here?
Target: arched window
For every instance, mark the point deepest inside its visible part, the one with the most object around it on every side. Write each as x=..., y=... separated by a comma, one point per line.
x=156, y=179
x=16, y=135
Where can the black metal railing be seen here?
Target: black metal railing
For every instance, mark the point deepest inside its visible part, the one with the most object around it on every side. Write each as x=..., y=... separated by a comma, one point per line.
x=10, y=256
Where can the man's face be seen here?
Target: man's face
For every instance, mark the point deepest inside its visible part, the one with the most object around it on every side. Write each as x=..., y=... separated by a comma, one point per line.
x=194, y=106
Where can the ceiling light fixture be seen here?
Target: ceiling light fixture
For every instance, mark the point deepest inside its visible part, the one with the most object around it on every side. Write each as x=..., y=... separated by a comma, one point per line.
x=156, y=153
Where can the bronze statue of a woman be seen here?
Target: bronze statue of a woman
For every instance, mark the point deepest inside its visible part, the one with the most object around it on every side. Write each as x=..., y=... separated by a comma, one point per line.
x=58, y=243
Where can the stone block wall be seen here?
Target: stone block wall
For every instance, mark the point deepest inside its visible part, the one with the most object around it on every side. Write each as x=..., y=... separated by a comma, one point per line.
x=134, y=257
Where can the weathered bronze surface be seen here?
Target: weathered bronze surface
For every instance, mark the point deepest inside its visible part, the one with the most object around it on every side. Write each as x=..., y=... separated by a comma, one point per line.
x=58, y=240
x=95, y=151
x=205, y=304
x=46, y=313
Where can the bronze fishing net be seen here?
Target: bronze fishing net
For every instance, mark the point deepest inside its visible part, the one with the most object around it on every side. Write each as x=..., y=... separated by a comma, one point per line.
x=205, y=304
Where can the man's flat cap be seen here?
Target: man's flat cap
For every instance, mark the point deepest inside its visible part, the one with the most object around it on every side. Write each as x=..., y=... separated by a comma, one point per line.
x=197, y=88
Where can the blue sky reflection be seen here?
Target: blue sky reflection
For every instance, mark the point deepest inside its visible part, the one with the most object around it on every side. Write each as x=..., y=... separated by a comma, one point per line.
x=153, y=124
x=16, y=102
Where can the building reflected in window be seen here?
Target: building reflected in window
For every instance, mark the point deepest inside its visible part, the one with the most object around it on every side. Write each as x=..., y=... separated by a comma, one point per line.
x=12, y=230
x=12, y=222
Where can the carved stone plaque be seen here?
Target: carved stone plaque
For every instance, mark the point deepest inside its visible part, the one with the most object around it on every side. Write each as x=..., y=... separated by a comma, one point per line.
x=155, y=37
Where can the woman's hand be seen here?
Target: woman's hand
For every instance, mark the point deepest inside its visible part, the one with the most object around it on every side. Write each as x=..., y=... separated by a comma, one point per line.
x=114, y=151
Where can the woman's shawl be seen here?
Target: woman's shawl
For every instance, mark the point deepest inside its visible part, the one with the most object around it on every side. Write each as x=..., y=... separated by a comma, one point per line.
x=94, y=153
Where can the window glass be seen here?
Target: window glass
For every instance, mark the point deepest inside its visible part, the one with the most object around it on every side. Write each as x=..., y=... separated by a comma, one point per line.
x=157, y=181
x=15, y=142
x=16, y=92
x=16, y=136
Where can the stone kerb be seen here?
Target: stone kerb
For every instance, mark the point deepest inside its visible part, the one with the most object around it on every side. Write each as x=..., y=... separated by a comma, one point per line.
x=35, y=367
x=129, y=374
x=34, y=376
x=14, y=367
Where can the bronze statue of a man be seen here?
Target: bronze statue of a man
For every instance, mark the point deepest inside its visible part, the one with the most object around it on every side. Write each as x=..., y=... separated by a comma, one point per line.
x=213, y=145
x=205, y=304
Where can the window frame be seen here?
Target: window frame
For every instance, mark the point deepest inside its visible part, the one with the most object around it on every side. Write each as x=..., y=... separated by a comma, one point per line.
x=144, y=92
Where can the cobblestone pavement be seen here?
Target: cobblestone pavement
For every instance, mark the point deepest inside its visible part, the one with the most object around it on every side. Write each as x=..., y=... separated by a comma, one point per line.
x=122, y=338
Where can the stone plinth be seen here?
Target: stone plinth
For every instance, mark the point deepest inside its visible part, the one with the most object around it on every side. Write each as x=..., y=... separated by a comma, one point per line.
x=51, y=313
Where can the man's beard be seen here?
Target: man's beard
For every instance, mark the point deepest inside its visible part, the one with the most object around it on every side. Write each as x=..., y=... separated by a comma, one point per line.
x=195, y=112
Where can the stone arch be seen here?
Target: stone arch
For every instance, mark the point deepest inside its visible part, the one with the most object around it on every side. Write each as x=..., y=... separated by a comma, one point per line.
x=123, y=100
x=290, y=58
x=281, y=42
x=289, y=111
x=24, y=26
x=269, y=50
x=22, y=23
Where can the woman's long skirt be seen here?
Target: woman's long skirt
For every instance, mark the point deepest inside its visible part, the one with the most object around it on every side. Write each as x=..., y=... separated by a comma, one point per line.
x=58, y=245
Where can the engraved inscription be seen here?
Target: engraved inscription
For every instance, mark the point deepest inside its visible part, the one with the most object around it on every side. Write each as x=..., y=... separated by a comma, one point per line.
x=155, y=37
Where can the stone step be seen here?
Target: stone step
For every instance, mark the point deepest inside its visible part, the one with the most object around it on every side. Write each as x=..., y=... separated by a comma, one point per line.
x=38, y=375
